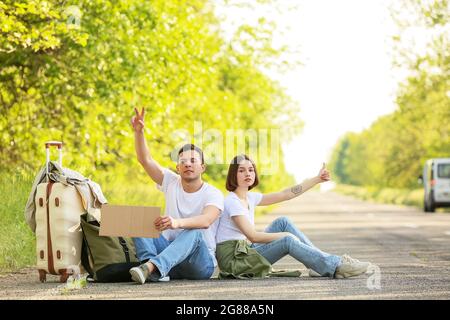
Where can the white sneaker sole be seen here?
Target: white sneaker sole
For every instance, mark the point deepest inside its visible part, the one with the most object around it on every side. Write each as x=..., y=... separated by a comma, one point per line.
x=313, y=274
x=137, y=275
x=352, y=273
x=165, y=279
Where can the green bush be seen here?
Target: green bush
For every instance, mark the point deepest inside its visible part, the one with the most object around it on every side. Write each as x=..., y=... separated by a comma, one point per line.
x=17, y=242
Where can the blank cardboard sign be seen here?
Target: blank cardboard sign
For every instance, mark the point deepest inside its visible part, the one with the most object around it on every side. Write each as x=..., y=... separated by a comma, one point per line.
x=129, y=221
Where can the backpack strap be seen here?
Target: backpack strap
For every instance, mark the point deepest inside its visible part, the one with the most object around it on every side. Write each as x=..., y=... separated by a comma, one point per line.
x=85, y=253
x=123, y=243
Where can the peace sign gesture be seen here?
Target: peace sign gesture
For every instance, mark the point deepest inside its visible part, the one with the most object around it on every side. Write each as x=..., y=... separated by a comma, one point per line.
x=137, y=121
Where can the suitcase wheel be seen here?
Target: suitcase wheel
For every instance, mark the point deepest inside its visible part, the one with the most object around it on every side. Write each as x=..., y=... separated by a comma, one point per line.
x=42, y=275
x=64, y=277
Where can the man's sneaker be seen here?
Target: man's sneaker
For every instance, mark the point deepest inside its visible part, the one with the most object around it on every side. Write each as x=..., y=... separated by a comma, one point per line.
x=139, y=274
x=312, y=273
x=350, y=267
x=164, y=279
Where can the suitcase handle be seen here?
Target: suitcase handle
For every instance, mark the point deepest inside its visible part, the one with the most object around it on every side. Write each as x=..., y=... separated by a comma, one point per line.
x=53, y=143
x=49, y=144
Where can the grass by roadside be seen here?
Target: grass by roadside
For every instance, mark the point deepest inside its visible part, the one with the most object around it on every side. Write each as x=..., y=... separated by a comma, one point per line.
x=387, y=195
x=17, y=242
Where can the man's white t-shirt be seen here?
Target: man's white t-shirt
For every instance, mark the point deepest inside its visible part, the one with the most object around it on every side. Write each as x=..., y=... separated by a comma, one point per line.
x=227, y=229
x=181, y=204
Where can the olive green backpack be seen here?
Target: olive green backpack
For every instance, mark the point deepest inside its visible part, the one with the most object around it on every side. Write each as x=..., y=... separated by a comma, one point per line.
x=106, y=259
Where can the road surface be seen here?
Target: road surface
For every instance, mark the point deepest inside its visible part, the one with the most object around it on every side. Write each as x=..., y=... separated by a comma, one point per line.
x=411, y=251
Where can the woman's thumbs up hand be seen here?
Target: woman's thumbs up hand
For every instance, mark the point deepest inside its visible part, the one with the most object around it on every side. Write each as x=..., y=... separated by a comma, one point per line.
x=324, y=174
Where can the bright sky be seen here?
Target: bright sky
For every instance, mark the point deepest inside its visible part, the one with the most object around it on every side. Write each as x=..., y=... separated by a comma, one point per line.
x=345, y=82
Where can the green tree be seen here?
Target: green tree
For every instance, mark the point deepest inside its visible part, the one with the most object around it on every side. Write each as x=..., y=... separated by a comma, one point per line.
x=74, y=71
x=391, y=153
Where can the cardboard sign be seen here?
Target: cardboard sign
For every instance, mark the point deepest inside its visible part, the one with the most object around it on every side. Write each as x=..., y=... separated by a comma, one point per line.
x=129, y=221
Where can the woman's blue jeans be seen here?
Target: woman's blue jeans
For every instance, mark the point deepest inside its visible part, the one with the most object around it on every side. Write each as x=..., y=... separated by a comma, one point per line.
x=299, y=247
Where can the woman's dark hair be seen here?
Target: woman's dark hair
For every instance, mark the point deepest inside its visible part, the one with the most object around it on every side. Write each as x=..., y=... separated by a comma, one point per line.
x=190, y=146
x=232, y=173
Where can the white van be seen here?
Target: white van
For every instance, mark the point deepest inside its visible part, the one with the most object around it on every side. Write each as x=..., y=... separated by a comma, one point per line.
x=436, y=181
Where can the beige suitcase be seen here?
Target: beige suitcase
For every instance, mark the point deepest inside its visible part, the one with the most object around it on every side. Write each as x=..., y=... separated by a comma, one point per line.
x=58, y=232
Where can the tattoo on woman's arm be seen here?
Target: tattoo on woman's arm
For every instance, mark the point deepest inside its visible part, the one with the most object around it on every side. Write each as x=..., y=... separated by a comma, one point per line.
x=296, y=190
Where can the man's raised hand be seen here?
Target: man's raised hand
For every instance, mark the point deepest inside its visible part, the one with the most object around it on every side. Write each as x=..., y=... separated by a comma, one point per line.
x=137, y=121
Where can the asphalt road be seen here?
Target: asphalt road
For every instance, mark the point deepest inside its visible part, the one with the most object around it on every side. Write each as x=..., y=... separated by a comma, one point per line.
x=411, y=251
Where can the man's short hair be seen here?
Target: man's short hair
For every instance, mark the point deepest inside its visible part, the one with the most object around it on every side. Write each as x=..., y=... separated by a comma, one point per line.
x=189, y=147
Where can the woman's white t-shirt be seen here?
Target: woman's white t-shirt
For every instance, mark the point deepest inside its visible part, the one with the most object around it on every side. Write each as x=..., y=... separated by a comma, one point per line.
x=182, y=204
x=233, y=206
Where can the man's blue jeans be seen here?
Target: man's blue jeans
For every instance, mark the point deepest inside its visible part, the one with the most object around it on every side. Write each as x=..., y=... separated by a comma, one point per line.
x=186, y=257
x=299, y=247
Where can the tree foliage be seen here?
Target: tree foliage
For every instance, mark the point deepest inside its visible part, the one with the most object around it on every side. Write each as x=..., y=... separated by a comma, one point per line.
x=391, y=153
x=74, y=71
